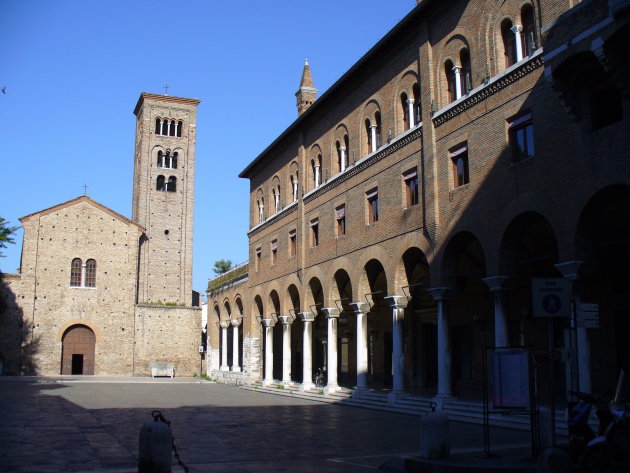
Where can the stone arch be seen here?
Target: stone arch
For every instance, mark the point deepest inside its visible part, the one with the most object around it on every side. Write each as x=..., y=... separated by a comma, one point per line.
x=399, y=273
x=294, y=181
x=228, y=308
x=62, y=330
x=363, y=282
x=274, y=302
x=293, y=300
x=450, y=56
x=78, y=352
x=315, y=298
x=258, y=308
x=341, y=139
x=276, y=194
x=315, y=158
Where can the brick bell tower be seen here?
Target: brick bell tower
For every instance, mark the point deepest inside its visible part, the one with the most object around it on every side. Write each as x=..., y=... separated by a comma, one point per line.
x=163, y=196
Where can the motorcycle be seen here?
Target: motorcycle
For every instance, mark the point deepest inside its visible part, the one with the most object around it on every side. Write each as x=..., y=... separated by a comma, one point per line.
x=610, y=450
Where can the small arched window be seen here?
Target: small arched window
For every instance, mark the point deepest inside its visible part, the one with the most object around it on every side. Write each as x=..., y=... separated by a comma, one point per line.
x=346, y=142
x=159, y=183
x=160, y=159
x=180, y=125
x=449, y=73
x=368, y=136
x=377, y=119
x=75, y=272
x=174, y=160
x=165, y=127
x=90, y=273
x=509, y=45
x=171, y=185
x=416, y=104
x=171, y=131
x=405, y=110
x=157, y=126
x=466, y=74
x=528, y=37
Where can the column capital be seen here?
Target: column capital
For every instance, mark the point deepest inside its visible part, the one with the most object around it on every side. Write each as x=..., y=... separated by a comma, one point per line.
x=516, y=29
x=306, y=316
x=269, y=322
x=495, y=283
x=342, y=148
x=373, y=126
x=410, y=101
x=396, y=301
x=236, y=322
x=330, y=312
x=570, y=269
x=360, y=307
x=285, y=319
x=224, y=323
x=440, y=293
x=456, y=69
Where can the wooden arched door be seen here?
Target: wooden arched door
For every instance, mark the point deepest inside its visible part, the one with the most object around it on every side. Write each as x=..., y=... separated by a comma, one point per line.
x=78, y=350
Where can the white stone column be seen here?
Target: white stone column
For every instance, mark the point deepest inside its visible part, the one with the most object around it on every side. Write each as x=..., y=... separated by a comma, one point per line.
x=295, y=189
x=268, y=324
x=444, y=393
x=332, y=314
x=360, y=310
x=458, y=81
x=412, y=118
x=83, y=273
x=307, y=355
x=261, y=212
x=224, y=345
x=286, y=321
x=501, y=332
x=317, y=177
x=570, y=270
x=516, y=29
x=397, y=304
x=276, y=202
x=235, y=324
x=373, y=137
x=342, y=152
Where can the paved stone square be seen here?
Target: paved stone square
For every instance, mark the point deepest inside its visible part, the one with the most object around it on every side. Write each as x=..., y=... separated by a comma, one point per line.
x=91, y=425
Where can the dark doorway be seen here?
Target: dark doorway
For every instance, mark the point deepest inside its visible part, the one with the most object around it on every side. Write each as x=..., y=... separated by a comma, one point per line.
x=77, y=364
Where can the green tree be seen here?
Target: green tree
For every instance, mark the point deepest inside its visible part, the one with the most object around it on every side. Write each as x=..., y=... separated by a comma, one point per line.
x=222, y=266
x=5, y=233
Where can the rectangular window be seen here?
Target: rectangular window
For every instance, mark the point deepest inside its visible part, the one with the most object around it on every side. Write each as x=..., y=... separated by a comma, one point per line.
x=340, y=214
x=315, y=232
x=522, y=137
x=292, y=243
x=372, y=201
x=274, y=251
x=459, y=158
x=258, y=258
x=411, y=187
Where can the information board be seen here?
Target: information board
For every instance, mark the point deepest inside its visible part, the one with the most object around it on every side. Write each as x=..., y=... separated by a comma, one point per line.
x=510, y=379
x=551, y=297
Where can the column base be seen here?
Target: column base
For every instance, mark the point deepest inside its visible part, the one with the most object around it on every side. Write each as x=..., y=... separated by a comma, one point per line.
x=442, y=400
x=267, y=382
x=306, y=386
x=394, y=396
x=224, y=368
x=331, y=389
x=236, y=369
x=359, y=392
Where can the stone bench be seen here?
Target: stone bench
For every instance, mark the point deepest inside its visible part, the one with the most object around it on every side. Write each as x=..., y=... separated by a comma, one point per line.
x=162, y=368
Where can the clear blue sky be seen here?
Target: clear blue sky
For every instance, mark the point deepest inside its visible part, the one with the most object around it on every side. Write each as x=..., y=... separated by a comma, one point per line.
x=73, y=72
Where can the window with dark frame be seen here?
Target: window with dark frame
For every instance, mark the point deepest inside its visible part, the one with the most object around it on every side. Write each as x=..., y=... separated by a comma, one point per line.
x=159, y=183
x=340, y=214
x=411, y=187
x=274, y=251
x=522, y=137
x=315, y=232
x=459, y=158
x=372, y=202
x=75, y=272
x=292, y=243
x=90, y=273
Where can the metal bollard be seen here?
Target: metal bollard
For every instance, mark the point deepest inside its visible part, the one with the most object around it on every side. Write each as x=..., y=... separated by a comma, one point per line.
x=434, y=435
x=155, y=446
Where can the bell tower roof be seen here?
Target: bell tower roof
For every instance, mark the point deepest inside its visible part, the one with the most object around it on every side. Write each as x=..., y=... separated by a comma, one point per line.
x=307, y=92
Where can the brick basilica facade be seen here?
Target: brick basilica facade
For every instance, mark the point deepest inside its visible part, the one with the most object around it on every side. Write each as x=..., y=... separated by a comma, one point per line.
x=98, y=293
x=397, y=225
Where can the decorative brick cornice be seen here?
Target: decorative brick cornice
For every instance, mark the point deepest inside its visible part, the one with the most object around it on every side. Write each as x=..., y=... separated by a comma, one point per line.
x=352, y=171
x=285, y=211
x=489, y=89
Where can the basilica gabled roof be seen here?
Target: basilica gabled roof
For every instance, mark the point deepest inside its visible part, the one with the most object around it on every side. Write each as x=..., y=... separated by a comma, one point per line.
x=78, y=200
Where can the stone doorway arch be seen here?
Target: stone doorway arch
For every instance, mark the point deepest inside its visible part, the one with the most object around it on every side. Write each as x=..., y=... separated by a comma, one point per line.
x=78, y=350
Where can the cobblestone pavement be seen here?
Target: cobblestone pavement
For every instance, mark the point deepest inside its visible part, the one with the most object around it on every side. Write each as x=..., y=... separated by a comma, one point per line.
x=93, y=425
